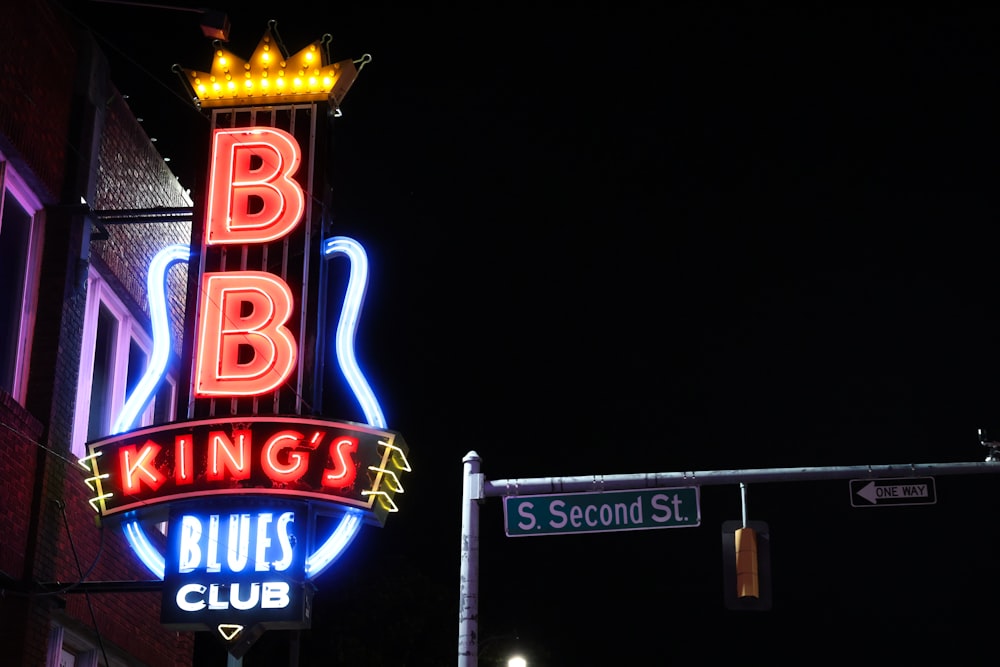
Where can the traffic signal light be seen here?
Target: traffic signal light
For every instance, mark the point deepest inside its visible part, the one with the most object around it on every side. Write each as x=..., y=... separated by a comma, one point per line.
x=746, y=563
x=747, y=582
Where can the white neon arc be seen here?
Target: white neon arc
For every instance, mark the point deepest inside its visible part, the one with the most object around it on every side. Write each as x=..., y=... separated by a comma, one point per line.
x=143, y=548
x=354, y=297
x=350, y=524
x=357, y=285
x=157, y=290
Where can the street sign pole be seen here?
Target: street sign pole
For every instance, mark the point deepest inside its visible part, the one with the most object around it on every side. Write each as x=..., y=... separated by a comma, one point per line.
x=468, y=610
x=476, y=489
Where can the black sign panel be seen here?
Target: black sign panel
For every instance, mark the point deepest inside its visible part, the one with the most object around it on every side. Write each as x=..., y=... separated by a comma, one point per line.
x=893, y=491
x=236, y=564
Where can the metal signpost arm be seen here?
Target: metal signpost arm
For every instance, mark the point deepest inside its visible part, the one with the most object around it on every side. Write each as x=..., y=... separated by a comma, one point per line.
x=476, y=489
x=658, y=480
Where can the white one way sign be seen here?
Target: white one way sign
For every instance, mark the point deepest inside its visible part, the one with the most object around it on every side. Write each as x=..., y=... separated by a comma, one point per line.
x=893, y=491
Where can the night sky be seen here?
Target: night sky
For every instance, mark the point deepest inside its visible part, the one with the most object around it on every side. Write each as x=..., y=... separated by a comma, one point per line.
x=632, y=240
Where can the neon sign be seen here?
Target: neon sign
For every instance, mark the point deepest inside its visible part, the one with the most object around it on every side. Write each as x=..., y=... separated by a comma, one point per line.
x=233, y=561
x=277, y=457
x=270, y=76
x=256, y=505
x=224, y=330
x=246, y=309
x=257, y=162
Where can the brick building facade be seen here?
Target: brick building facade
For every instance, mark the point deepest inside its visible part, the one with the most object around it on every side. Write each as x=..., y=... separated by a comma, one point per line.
x=74, y=330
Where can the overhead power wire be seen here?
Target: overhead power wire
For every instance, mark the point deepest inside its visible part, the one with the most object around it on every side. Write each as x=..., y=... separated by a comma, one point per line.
x=81, y=574
x=111, y=46
x=38, y=444
x=90, y=606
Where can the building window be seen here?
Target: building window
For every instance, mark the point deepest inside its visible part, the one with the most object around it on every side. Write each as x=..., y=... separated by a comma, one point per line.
x=72, y=649
x=20, y=258
x=116, y=349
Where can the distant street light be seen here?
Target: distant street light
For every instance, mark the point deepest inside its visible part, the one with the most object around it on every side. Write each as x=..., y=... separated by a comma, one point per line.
x=492, y=650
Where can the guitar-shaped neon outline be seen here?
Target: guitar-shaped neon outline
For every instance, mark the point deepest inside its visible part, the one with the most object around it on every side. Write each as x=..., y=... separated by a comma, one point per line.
x=357, y=284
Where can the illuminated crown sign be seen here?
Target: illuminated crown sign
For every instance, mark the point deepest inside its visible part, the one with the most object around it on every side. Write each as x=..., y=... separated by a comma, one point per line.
x=258, y=502
x=269, y=77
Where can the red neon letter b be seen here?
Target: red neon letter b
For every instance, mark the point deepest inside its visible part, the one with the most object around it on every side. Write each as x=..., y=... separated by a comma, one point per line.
x=257, y=162
x=244, y=353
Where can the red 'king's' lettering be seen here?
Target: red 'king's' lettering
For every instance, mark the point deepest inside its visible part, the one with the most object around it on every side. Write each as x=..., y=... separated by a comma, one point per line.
x=138, y=466
x=228, y=457
x=343, y=472
x=284, y=459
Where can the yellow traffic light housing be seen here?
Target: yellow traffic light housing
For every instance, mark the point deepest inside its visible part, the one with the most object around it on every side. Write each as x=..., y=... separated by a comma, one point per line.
x=746, y=565
x=747, y=583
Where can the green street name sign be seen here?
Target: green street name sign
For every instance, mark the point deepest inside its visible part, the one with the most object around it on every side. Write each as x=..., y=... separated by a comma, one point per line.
x=600, y=512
